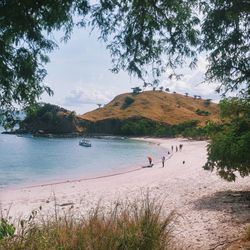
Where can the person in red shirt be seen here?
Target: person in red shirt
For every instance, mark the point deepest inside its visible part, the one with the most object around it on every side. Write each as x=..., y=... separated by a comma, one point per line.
x=150, y=161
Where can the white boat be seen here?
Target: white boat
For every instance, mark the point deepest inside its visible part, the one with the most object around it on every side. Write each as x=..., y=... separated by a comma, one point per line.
x=85, y=143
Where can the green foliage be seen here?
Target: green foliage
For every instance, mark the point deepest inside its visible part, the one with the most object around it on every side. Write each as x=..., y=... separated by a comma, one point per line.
x=127, y=102
x=226, y=37
x=202, y=112
x=136, y=90
x=228, y=152
x=141, y=31
x=145, y=38
x=47, y=117
x=211, y=129
x=6, y=229
x=44, y=112
x=146, y=127
x=25, y=31
x=135, y=225
x=138, y=128
x=232, y=108
x=206, y=103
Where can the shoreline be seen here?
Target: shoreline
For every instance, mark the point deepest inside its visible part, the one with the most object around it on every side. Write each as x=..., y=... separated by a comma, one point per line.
x=84, y=177
x=206, y=218
x=115, y=168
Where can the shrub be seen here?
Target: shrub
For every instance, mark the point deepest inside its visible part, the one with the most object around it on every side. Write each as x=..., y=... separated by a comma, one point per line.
x=136, y=225
x=47, y=117
x=138, y=128
x=127, y=102
x=6, y=229
x=247, y=232
x=147, y=127
x=202, y=112
x=207, y=102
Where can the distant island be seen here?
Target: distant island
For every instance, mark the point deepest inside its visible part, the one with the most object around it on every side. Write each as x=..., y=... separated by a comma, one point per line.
x=154, y=113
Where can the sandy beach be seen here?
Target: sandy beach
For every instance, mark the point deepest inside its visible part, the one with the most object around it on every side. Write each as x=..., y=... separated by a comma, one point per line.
x=211, y=211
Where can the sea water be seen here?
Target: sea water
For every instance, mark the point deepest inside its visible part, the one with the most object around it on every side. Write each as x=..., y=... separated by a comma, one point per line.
x=29, y=160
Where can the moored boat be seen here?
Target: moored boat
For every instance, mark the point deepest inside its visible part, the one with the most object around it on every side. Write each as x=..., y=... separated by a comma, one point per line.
x=84, y=143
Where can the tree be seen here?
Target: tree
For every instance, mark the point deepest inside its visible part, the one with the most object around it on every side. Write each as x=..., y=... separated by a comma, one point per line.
x=161, y=88
x=207, y=102
x=167, y=89
x=226, y=38
x=99, y=105
x=136, y=90
x=228, y=151
x=186, y=94
x=25, y=31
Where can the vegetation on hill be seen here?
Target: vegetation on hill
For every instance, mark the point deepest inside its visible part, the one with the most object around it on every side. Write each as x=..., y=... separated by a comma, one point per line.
x=157, y=106
x=154, y=113
x=47, y=118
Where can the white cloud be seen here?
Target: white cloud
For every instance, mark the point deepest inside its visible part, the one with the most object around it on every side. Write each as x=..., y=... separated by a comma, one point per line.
x=81, y=96
x=192, y=81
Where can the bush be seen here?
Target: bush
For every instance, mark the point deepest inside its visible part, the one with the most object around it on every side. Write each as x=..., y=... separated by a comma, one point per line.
x=202, y=112
x=47, y=117
x=247, y=232
x=127, y=102
x=6, y=229
x=147, y=127
x=138, y=128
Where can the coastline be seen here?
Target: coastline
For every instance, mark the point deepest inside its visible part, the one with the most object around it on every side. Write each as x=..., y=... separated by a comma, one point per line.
x=186, y=188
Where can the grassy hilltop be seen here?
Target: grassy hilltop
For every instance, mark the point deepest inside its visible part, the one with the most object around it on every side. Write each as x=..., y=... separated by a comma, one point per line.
x=157, y=106
x=153, y=113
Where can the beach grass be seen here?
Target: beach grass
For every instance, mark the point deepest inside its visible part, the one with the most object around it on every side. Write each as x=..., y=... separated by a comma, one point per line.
x=247, y=232
x=132, y=225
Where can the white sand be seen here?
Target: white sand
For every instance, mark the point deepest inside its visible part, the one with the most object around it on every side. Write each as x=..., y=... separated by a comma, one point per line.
x=208, y=217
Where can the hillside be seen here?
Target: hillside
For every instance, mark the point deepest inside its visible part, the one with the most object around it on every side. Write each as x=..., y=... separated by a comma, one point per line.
x=51, y=119
x=153, y=113
x=157, y=106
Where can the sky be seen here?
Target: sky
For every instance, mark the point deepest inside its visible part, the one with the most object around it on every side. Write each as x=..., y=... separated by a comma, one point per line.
x=79, y=74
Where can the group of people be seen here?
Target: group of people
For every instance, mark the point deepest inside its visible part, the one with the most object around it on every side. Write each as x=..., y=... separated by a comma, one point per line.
x=163, y=159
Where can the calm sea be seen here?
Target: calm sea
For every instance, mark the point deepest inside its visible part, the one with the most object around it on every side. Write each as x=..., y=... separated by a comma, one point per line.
x=29, y=160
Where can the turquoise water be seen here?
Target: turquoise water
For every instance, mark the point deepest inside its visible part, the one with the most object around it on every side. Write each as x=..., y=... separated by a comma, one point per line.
x=29, y=160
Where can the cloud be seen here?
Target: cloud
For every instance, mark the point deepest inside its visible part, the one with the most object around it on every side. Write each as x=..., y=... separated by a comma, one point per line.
x=192, y=82
x=81, y=96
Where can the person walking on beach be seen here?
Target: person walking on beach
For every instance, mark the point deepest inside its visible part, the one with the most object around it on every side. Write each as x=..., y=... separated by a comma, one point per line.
x=163, y=161
x=180, y=147
x=172, y=147
x=150, y=161
x=176, y=149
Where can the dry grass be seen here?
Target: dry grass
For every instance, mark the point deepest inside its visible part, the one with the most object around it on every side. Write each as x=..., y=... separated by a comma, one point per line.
x=157, y=106
x=137, y=225
x=247, y=232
